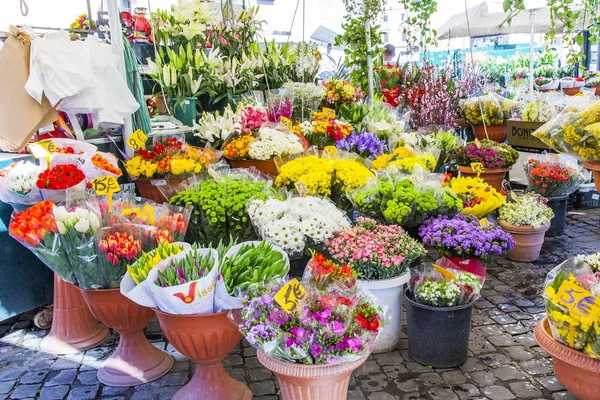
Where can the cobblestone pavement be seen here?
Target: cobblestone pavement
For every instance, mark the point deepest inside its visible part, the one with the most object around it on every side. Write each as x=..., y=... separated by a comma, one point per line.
x=504, y=360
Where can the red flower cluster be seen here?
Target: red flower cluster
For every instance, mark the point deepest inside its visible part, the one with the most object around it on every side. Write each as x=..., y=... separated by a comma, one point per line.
x=391, y=97
x=65, y=150
x=367, y=317
x=551, y=178
x=172, y=223
x=159, y=149
x=322, y=268
x=118, y=246
x=60, y=177
x=32, y=225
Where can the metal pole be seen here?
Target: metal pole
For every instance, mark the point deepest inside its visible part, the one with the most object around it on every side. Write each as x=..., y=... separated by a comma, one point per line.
x=303, y=18
x=369, y=59
x=89, y=16
x=116, y=41
x=531, y=52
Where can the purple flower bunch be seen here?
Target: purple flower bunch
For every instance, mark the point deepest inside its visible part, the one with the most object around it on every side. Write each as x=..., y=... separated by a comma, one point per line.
x=463, y=236
x=324, y=329
x=283, y=109
x=366, y=144
x=489, y=153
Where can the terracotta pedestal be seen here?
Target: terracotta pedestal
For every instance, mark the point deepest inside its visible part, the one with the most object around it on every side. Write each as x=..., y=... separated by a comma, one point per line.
x=206, y=340
x=310, y=382
x=492, y=176
x=74, y=328
x=135, y=361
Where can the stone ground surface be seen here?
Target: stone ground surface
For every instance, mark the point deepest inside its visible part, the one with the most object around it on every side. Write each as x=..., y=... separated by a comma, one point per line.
x=504, y=360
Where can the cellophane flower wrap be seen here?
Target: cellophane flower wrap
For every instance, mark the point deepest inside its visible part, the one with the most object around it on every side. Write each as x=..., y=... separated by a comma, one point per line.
x=447, y=142
x=529, y=209
x=463, y=236
x=375, y=251
x=297, y=224
x=537, y=110
x=405, y=160
x=327, y=326
x=437, y=286
x=54, y=183
x=551, y=175
x=18, y=184
x=365, y=144
x=339, y=91
x=478, y=198
x=220, y=206
x=36, y=229
x=572, y=319
x=117, y=247
x=489, y=153
x=306, y=99
x=324, y=129
x=77, y=227
x=327, y=275
x=490, y=109
x=271, y=142
x=98, y=164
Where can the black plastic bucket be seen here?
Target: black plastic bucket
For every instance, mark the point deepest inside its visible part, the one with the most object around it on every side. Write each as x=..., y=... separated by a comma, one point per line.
x=559, y=206
x=438, y=336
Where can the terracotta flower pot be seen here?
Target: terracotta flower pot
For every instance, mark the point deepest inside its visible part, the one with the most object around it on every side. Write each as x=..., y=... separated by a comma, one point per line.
x=572, y=91
x=497, y=133
x=597, y=90
x=528, y=241
x=265, y=166
x=74, y=328
x=135, y=361
x=206, y=340
x=492, y=176
x=310, y=382
x=594, y=166
x=577, y=371
x=148, y=188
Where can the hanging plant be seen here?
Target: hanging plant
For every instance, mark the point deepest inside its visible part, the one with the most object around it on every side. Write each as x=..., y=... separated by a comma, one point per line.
x=417, y=26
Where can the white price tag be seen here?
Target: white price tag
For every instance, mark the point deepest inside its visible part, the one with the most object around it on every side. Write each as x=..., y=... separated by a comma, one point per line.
x=158, y=182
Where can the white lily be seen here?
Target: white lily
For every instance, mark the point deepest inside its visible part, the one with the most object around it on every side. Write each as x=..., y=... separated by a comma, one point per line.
x=166, y=75
x=152, y=67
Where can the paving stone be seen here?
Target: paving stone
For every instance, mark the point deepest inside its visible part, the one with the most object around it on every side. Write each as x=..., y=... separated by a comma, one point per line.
x=465, y=390
x=232, y=360
x=494, y=360
x=483, y=304
x=503, y=319
x=518, y=353
x=6, y=386
x=113, y=391
x=258, y=374
x=520, y=315
x=373, y=383
x=480, y=346
x=525, y=390
x=440, y=393
x=413, y=396
x=497, y=299
x=54, y=392
x=146, y=394
x=262, y=388
x=174, y=379
x=454, y=377
x=431, y=379
x=84, y=392
x=368, y=368
x=64, y=377
x=395, y=371
x=551, y=383
x=509, y=373
x=498, y=393
x=537, y=367
x=515, y=329
x=563, y=396
x=381, y=396
x=238, y=373
x=507, y=307
x=502, y=339
x=483, y=378
x=526, y=340
x=523, y=302
x=11, y=372
x=24, y=391
x=472, y=365
x=416, y=367
x=167, y=393
x=408, y=385
x=33, y=377
x=86, y=378
x=389, y=358
x=354, y=394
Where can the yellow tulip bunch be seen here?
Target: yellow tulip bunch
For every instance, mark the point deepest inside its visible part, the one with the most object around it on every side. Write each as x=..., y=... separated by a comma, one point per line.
x=405, y=160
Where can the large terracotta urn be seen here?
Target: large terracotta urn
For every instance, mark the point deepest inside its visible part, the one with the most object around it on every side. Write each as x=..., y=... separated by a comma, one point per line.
x=135, y=361
x=206, y=340
x=528, y=241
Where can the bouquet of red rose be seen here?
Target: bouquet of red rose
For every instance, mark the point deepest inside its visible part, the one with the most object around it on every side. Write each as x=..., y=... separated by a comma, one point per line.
x=554, y=176
x=36, y=229
x=54, y=182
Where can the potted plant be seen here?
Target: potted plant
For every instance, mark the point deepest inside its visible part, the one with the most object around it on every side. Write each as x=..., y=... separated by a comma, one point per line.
x=439, y=304
x=439, y=336
x=556, y=178
x=495, y=158
x=488, y=115
x=381, y=255
x=527, y=220
x=569, y=333
x=544, y=84
x=593, y=81
x=313, y=348
x=571, y=86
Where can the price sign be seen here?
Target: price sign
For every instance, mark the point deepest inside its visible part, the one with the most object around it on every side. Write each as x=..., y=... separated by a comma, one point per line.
x=329, y=112
x=301, y=188
x=484, y=223
x=578, y=300
x=414, y=179
x=43, y=148
x=477, y=143
x=477, y=167
x=137, y=140
x=106, y=185
x=214, y=174
x=513, y=196
x=285, y=121
x=290, y=296
x=332, y=151
x=348, y=230
x=448, y=276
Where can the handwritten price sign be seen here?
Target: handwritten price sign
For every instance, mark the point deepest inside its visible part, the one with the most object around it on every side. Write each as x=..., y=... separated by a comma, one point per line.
x=137, y=140
x=477, y=143
x=301, y=188
x=578, y=300
x=43, y=148
x=477, y=167
x=290, y=296
x=285, y=121
x=484, y=223
x=329, y=112
x=106, y=185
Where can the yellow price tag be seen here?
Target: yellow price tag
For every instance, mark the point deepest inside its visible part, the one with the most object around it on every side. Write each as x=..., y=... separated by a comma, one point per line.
x=329, y=112
x=448, y=276
x=106, y=185
x=287, y=122
x=137, y=140
x=349, y=231
x=290, y=296
x=477, y=143
x=578, y=300
x=301, y=188
x=513, y=196
x=484, y=223
x=214, y=174
x=332, y=151
x=43, y=148
x=477, y=167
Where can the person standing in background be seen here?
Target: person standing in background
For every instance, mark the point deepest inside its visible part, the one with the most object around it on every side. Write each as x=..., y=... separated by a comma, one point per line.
x=389, y=53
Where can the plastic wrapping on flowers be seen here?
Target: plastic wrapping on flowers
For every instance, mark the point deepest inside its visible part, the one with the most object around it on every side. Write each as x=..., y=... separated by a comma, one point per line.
x=478, y=198
x=571, y=292
x=490, y=109
x=332, y=324
x=220, y=207
x=445, y=141
x=552, y=175
x=405, y=160
x=18, y=183
x=271, y=140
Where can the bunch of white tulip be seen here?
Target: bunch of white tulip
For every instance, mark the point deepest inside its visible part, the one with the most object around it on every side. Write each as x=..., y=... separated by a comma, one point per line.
x=80, y=219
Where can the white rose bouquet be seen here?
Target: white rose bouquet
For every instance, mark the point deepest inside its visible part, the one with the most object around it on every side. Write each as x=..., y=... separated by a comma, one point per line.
x=297, y=223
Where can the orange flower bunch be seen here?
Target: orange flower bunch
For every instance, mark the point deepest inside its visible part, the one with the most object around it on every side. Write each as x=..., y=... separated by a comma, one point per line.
x=175, y=223
x=238, y=147
x=120, y=246
x=32, y=225
x=103, y=163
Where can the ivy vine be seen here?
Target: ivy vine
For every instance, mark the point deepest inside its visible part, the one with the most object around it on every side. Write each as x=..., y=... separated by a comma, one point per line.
x=417, y=26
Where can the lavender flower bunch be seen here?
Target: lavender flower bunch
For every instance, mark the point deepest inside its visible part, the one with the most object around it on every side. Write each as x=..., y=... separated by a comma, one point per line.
x=366, y=144
x=462, y=236
x=490, y=154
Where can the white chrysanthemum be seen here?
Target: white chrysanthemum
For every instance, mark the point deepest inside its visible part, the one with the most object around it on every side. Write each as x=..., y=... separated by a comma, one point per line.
x=273, y=143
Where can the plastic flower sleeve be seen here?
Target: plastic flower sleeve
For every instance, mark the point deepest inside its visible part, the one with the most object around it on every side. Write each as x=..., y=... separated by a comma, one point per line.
x=18, y=184
x=399, y=206
x=367, y=200
x=573, y=326
x=552, y=175
x=96, y=165
x=483, y=110
x=36, y=229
